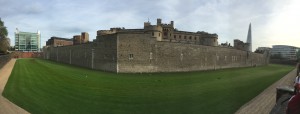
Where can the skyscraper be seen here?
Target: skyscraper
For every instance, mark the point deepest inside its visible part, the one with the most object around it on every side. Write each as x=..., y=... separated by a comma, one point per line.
x=26, y=41
x=249, y=38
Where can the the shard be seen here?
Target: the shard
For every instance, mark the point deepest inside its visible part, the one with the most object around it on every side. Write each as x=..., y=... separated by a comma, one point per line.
x=249, y=38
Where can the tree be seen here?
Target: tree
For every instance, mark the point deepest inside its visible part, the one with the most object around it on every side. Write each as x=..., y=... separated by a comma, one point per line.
x=4, y=41
x=3, y=30
x=4, y=45
x=298, y=54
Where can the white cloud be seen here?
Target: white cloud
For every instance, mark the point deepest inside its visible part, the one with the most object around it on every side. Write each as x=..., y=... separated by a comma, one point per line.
x=284, y=26
x=228, y=18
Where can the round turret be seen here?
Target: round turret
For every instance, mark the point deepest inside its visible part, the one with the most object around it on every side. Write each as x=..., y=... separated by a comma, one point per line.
x=155, y=31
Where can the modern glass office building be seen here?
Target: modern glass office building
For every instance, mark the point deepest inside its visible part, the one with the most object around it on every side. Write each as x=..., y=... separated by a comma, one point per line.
x=27, y=41
x=285, y=51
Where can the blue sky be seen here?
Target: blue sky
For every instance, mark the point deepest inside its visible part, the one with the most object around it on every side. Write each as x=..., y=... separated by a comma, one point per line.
x=274, y=22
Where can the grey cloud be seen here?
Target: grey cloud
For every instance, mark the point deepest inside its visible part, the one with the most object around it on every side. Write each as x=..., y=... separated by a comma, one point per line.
x=228, y=18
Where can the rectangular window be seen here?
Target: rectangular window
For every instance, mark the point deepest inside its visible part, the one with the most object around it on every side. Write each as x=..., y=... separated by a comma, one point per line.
x=150, y=55
x=174, y=36
x=130, y=56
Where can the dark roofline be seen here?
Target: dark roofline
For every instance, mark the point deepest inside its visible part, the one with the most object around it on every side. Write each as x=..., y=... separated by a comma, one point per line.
x=198, y=32
x=68, y=39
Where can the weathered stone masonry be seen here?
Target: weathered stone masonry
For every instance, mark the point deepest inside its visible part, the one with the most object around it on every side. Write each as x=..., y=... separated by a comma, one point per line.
x=137, y=53
x=147, y=50
x=152, y=56
x=97, y=55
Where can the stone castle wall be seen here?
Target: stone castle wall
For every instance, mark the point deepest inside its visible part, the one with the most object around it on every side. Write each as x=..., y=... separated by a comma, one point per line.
x=100, y=55
x=152, y=56
x=139, y=52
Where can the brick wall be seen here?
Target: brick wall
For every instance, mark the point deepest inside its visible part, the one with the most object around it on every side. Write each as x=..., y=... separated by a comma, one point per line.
x=18, y=54
x=4, y=59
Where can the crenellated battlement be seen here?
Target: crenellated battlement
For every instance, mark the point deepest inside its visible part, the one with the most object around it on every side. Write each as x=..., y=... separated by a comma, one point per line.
x=159, y=23
x=153, y=28
x=156, y=48
x=166, y=32
x=111, y=31
x=166, y=25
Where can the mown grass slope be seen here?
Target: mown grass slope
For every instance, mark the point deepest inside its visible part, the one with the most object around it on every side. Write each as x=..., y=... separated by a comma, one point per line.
x=41, y=86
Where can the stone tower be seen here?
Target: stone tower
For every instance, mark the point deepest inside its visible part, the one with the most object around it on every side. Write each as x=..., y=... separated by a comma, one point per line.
x=154, y=30
x=249, y=38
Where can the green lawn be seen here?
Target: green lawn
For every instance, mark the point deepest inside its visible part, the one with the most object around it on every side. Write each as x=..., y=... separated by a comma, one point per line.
x=41, y=86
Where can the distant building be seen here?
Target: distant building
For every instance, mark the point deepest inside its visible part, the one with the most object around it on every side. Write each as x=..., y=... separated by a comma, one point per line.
x=81, y=39
x=57, y=41
x=240, y=45
x=163, y=32
x=84, y=37
x=264, y=48
x=285, y=51
x=76, y=39
x=27, y=41
x=225, y=45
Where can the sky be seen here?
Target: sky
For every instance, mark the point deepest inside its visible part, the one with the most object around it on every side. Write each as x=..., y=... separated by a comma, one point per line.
x=274, y=22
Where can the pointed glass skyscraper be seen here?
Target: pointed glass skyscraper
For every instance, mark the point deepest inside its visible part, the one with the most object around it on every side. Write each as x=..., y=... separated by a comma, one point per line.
x=249, y=38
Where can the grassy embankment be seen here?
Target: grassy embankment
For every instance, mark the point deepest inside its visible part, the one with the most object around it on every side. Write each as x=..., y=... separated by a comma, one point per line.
x=41, y=86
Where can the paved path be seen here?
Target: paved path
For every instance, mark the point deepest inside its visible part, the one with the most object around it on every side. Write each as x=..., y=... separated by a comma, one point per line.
x=7, y=107
x=265, y=101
